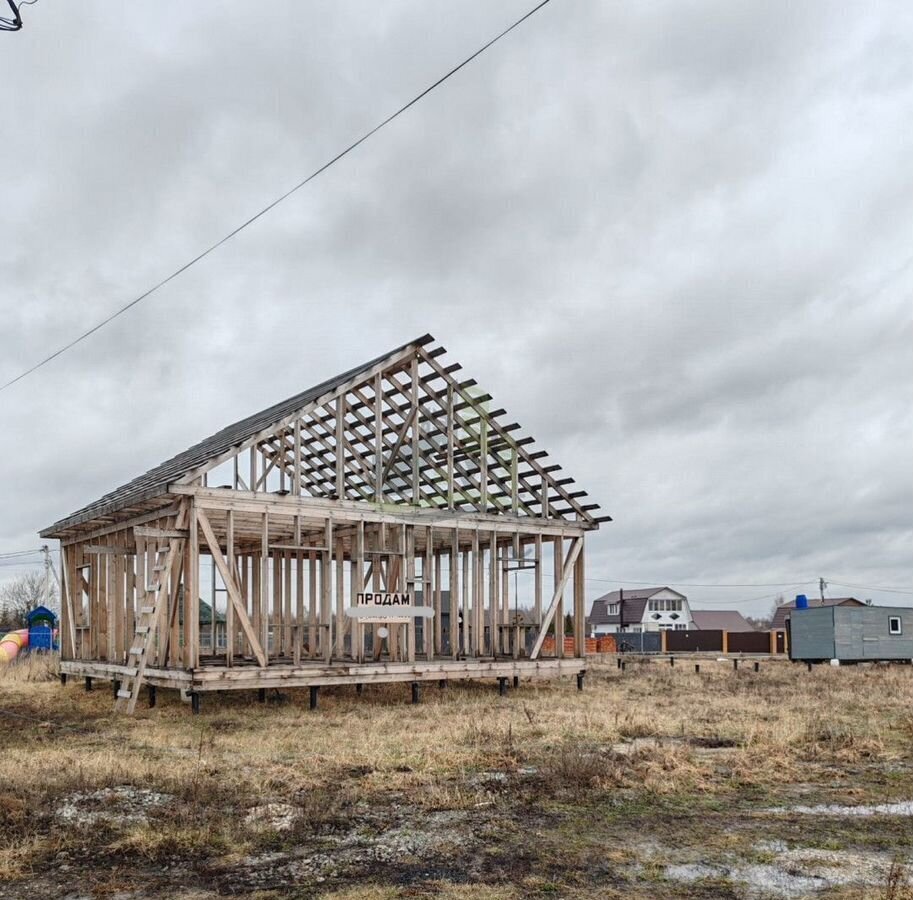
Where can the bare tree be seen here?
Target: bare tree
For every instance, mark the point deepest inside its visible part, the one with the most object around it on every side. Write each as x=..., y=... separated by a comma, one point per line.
x=21, y=595
x=763, y=622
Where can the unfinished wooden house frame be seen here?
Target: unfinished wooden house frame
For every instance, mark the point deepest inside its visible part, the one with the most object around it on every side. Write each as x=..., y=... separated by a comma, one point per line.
x=392, y=477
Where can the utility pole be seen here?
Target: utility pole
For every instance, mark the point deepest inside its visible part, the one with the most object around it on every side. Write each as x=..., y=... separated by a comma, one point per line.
x=621, y=610
x=48, y=572
x=47, y=575
x=822, y=584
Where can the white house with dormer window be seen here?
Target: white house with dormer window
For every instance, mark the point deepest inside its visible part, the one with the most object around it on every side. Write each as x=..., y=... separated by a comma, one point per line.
x=645, y=609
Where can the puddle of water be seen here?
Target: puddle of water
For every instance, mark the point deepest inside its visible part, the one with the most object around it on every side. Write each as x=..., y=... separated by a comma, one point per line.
x=904, y=808
x=771, y=879
x=794, y=873
x=695, y=872
x=762, y=879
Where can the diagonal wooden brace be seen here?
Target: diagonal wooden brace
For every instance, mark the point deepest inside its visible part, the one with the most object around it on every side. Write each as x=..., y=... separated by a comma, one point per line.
x=231, y=584
x=568, y=567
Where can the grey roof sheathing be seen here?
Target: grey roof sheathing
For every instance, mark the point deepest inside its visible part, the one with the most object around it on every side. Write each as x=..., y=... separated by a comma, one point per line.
x=156, y=480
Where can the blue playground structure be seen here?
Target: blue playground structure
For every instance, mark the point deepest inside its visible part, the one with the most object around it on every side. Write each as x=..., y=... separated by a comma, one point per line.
x=42, y=626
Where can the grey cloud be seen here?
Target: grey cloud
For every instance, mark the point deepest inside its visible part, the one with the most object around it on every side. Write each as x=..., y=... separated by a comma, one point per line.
x=670, y=239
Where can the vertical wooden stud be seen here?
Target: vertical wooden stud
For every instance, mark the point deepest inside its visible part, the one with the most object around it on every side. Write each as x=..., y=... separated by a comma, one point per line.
x=229, y=607
x=263, y=584
x=558, y=566
x=580, y=602
x=340, y=597
x=455, y=636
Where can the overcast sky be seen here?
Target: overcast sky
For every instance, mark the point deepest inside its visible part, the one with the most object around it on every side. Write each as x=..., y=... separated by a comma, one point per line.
x=674, y=240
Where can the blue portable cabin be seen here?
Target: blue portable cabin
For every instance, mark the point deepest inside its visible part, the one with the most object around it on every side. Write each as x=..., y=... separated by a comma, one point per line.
x=42, y=625
x=851, y=633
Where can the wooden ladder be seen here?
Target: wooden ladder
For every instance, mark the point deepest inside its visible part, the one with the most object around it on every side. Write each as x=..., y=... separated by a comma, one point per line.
x=144, y=638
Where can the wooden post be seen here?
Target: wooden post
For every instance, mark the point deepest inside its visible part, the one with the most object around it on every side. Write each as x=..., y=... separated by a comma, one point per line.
x=493, y=594
x=454, y=594
x=229, y=607
x=410, y=586
x=325, y=591
x=429, y=627
x=101, y=599
x=467, y=609
x=559, y=611
x=312, y=604
x=256, y=593
x=580, y=603
x=438, y=607
x=276, y=611
x=67, y=626
x=74, y=595
x=110, y=594
x=505, y=601
x=358, y=568
x=478, y=593
x=141, y=575
x=243, y=563
x=263, y=584
x=340, y=597
x=299, y=593
x=129, y=597
x=119, y=600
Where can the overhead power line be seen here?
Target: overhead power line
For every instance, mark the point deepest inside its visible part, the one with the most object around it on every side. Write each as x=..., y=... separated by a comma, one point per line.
x=273, y=204
x=15, y=23
x=655, y=583
x=871, y=587
x=18, y=554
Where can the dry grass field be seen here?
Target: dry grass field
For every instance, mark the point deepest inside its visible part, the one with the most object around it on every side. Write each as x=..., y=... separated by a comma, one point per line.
x=657, y=782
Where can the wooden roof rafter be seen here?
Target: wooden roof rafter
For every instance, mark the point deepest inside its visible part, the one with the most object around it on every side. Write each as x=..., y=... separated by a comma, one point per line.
x=400, y=429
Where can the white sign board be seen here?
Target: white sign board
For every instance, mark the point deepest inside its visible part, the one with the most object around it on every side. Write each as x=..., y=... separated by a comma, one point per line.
x=387, y=606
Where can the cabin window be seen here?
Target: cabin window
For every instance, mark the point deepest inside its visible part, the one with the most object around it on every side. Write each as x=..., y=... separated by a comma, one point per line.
x=894, y=625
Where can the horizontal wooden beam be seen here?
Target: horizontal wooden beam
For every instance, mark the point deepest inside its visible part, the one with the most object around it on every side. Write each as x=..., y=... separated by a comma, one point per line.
x=361, y=510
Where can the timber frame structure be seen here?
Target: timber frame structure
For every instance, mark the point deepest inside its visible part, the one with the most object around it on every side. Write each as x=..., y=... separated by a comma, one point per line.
x=394, y=476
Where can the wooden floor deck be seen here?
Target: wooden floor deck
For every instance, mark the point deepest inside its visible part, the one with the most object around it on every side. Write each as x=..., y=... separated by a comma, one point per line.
x=247, y=675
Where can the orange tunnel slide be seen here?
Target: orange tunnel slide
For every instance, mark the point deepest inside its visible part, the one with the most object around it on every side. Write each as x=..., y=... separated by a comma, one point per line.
x=12, y=643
